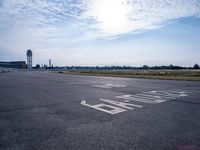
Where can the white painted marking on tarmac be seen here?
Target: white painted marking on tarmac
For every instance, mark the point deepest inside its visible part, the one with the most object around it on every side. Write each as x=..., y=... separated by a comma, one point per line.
x=127, y=100
x=101, y=86
x=150, y=97
x=183, y=95
x=170, y=94
x=162, y=95
x=154, y=97
x=182, y=92
x=121, y=104
x=116, y=85
x=100, y=107
x=108, y=86
x=139, y=99
x=144, y=97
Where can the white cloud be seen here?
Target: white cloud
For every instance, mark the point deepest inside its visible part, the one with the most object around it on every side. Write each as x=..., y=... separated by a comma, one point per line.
x=122, y=16
x=111, y=16
x=37, y=12
x=102, y=18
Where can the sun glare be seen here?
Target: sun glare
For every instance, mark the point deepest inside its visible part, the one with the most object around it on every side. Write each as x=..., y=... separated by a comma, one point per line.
x=112, y=15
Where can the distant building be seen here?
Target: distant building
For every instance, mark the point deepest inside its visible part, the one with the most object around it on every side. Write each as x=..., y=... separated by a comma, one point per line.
x=49, y=62
x=13, y=64
x=29, y=55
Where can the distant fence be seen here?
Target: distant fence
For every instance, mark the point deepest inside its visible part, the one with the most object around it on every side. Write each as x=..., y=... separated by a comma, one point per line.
x=6, y=70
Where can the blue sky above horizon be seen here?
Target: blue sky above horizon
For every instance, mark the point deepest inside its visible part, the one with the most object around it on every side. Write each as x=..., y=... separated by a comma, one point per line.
x=101, y=32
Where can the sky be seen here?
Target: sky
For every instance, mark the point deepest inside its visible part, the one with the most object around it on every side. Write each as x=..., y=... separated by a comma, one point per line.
x=101, y=32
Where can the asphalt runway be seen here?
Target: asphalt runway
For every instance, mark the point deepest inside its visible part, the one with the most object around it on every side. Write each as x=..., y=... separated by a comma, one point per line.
x=47, y=111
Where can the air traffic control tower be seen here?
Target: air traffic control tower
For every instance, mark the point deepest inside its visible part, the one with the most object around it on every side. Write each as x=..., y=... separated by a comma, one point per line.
x=29, y=55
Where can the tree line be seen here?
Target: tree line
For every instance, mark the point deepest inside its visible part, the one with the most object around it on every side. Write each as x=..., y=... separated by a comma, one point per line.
x=170, y=67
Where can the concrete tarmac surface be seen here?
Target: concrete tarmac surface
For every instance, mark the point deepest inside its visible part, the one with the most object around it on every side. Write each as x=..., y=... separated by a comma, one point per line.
x=48, y=111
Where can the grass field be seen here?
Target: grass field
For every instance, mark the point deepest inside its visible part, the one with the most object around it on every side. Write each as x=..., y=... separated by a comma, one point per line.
x=153, y=74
